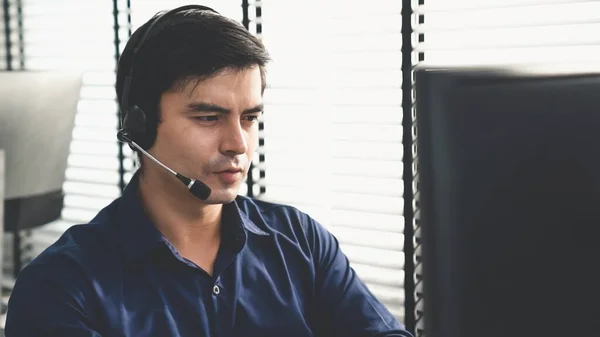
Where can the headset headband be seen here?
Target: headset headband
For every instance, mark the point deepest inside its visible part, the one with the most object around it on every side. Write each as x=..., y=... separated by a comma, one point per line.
x=145, y=37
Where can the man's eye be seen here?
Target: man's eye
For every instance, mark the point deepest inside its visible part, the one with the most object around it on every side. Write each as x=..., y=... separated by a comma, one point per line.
x=252, y=118
x=207, y=118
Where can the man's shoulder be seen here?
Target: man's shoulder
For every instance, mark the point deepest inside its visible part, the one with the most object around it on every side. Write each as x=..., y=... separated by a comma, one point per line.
x=64, y=277
x=84, y=245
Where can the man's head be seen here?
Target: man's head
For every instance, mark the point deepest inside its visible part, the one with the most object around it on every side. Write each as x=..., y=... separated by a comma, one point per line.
x=199, y=78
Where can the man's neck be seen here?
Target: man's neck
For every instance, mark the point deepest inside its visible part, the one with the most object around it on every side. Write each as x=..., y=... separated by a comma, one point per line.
x=189, y=225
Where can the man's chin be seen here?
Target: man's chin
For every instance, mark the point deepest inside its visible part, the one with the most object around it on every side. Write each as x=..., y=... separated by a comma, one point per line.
x=222, y=196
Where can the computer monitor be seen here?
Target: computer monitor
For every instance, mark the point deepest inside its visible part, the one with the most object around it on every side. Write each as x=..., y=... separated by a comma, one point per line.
x=509, y=200
x=37, y=115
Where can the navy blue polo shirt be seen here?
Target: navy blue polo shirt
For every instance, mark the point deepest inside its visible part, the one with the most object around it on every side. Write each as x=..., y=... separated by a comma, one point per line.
x=278, y=273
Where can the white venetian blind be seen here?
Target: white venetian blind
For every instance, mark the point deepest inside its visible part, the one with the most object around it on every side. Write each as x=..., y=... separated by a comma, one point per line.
x=333, y=128
x=79, y=36
x=508, y=31
x=9, y=35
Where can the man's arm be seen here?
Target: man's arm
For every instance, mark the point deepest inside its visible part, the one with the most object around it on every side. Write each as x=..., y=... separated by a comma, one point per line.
x=345, y=306
x=49, y=300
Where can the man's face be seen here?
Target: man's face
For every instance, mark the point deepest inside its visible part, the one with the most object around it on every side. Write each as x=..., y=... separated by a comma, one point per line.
x=209, y=130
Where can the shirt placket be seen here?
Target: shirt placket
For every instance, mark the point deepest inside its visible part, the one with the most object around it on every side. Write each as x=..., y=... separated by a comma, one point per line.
x=223, y=295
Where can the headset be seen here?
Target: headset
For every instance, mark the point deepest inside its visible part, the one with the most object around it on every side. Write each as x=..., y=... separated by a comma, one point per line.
x=133, y=128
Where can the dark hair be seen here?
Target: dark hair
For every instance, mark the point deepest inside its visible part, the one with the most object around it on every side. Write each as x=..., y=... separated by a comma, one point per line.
x=191, y=45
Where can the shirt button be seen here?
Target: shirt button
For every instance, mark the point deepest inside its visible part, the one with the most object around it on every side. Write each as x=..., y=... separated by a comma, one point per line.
x=216, y=290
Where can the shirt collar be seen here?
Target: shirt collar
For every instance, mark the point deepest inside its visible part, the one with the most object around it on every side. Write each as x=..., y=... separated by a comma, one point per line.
x=139, y=236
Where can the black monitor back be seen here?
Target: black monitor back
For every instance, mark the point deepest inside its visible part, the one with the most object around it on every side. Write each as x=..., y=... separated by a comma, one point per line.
x=509, y=198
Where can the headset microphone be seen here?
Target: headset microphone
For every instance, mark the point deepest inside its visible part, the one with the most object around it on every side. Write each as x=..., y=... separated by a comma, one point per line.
x=198, y=188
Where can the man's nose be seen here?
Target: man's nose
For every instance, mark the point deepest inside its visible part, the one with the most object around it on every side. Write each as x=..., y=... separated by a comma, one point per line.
x=234, y=139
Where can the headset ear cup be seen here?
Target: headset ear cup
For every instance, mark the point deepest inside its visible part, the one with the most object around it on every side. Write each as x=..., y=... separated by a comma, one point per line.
x=135, y=124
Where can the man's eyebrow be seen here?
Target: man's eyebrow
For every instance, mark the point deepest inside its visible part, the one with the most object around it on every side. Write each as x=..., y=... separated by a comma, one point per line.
x=206, y=107
x=209, y=107
x=258, y=108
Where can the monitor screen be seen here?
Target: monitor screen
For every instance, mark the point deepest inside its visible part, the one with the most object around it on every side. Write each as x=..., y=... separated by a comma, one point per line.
x=37, y=114
x=509, y=201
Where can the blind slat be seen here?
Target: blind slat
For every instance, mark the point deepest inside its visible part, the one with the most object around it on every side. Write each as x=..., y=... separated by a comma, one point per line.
x=368, y=220
x=363, y=237
x=514, y=37
x=91, y=189
x=441, y=5
x=394, y=259
x=380, y=276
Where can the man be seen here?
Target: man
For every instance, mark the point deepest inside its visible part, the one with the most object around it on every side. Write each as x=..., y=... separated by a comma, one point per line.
x=161, y=261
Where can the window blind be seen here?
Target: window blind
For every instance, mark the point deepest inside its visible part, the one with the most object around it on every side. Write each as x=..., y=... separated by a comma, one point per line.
x=508, y=31
x=4, y=35
x=485, y=32
x=333, y=128
x=252, y=19
x=10, y=35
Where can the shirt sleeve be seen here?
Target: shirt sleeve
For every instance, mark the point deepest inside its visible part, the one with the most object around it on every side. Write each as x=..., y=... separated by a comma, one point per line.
x=344, y=305
x=49, y=300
